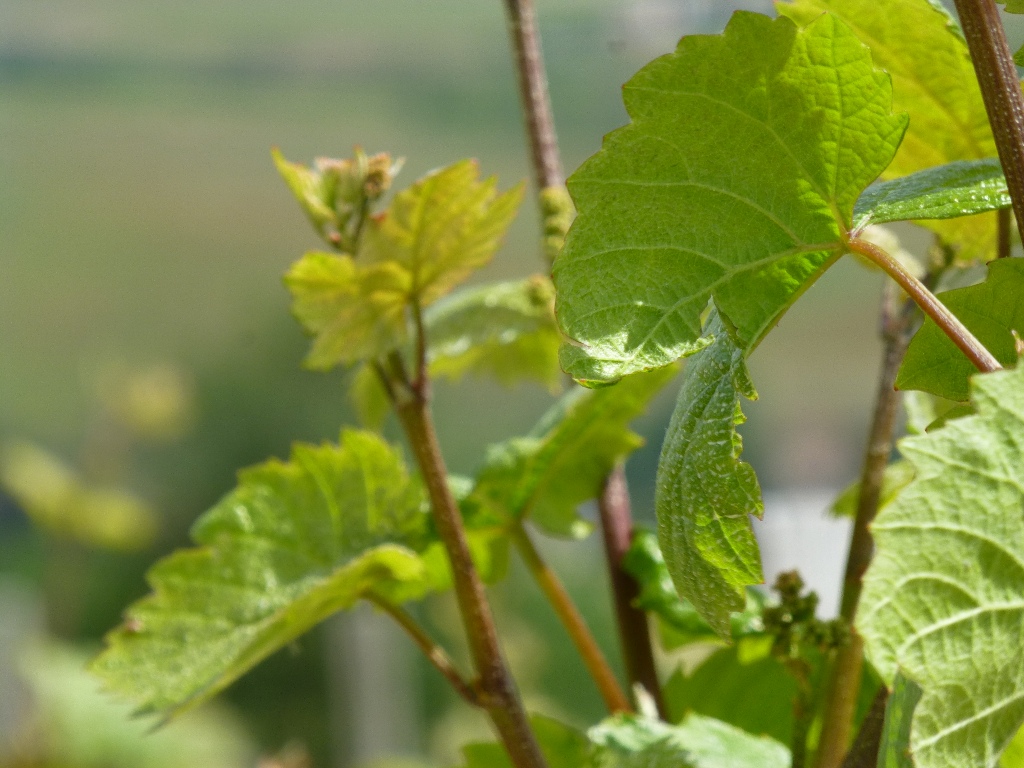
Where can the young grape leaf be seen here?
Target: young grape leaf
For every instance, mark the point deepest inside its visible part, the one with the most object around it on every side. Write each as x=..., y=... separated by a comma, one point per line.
x=740, y=686
x=943, y=600
x=310, y=188
x=991, y=310
x=629, y=741
x=441, y=229
x=1013, y=6
x=679, y=621
x=897, y=477
x=894, y=751
x=354, y=311
x=921, y=45
x=704, y=494
x=567, y=456
x=947, y=191
x=506, y=330
x=293, y=543
x=735, y=180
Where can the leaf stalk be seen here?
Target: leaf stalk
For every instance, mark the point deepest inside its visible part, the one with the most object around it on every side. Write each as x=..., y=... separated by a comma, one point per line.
x=976, y=352
x=614, y=697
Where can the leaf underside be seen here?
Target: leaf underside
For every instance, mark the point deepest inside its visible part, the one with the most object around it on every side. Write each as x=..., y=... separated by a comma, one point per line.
x=943, y=600
x=704, y=494
x=920, y=45
x=991, y=310
x=671, y=214
x=293, y=543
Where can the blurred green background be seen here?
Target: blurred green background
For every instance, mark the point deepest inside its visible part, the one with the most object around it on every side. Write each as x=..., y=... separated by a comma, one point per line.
x=143, y=229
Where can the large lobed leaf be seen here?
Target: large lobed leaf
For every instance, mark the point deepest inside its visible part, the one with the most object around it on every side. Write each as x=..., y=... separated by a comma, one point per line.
x=433, y=236
x=293, y=543
x=704, y=494
x=943, y=600
x=921, y=46
x=735, y=180
x=565, y=459
x=992, y=310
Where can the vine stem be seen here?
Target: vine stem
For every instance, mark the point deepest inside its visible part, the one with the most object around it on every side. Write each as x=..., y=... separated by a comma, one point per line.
x=634, y=631
x=496, y=687
x=533, y=91
x=614, y=697
x=927, y=301
x=847, y=667
x=435, y=654
x=864, y=752
x=1000, y=89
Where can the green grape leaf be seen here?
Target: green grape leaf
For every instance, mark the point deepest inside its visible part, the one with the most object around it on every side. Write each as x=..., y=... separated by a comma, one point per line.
x=736, y=180
x=704, y=494
x=310, y=188
x=629, y=741
x=561, y=745
x=678, y=620
x=505, y=330
x=368, y=397
x=293, y=543
x=353, y=311
x=920, y=45
x=1013, y=6
x=59, y=500
x=943, y=599
x=897, y=477
x=894, y=751
x=441, y=229
x=740, y=686
x=947, y=191
x=991, y=310
x=565, y=459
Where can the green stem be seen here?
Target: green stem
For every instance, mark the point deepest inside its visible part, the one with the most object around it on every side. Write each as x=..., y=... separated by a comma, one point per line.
x=1000, y=89
x=435, y=654
x=846, y=670
x=498, y=692
x=634, y=630
x=614, y=697
x=926, y=300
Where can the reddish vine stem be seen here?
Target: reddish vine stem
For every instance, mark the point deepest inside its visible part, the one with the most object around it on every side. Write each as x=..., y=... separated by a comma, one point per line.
x=611, y=692
x=847, y=668
x=533, y=90
x=634, y=631
x=1000, y=89
x=435, y=654
x=864, y=752
x=930, y=305
x=496, y=687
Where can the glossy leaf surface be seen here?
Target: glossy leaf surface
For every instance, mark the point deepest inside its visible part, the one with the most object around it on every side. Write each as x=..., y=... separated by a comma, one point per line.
x=704, y=494
x=920, y=45
x=991, y=310
x=671, y=214
x=293, y=543
x=943, y=600
x=945, y=192
x=564, y=461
